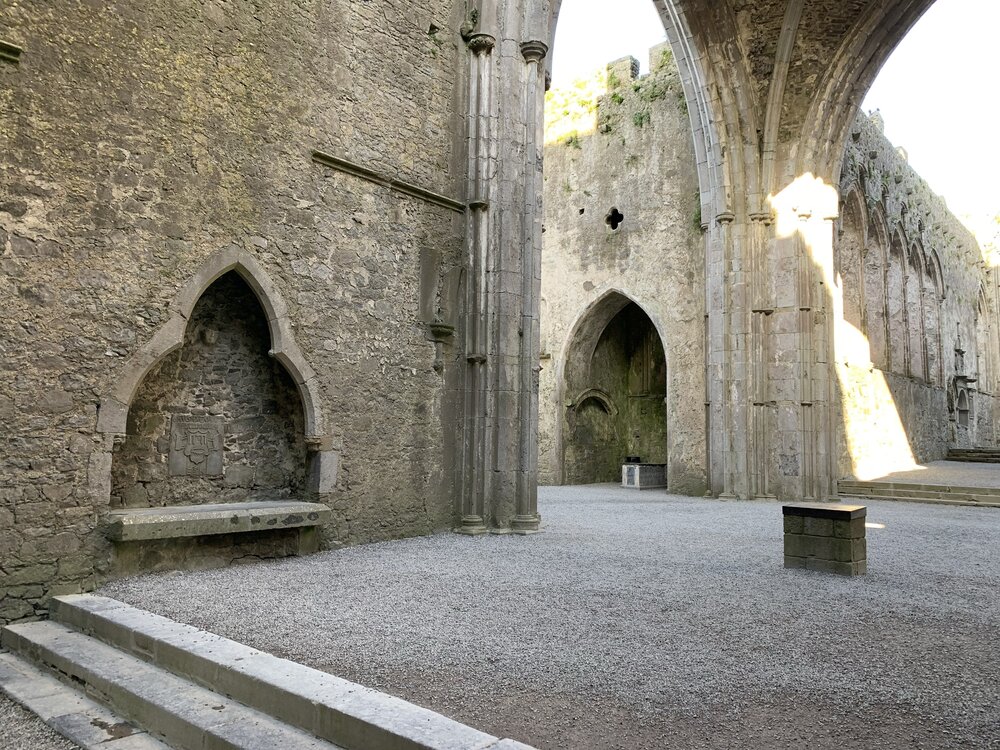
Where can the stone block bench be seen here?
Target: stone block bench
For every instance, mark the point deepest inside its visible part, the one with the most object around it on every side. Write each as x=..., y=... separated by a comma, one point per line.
x=176, y=536
x=828, y=537
x=644, y=476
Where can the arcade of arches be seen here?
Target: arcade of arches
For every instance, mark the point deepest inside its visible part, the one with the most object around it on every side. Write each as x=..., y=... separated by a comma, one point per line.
x=373, y=172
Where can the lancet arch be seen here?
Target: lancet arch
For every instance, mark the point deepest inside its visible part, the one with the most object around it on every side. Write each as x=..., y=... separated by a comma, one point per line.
x=321, y=466
x=114, y=404
x=612, y=382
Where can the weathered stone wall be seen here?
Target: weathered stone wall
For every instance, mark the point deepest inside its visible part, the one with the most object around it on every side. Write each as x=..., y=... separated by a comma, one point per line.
x=918, y=318
x=220, y=378
x=627, y=148
x=138, y=140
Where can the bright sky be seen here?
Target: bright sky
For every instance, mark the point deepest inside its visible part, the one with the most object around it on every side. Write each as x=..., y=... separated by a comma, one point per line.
x=938, y=93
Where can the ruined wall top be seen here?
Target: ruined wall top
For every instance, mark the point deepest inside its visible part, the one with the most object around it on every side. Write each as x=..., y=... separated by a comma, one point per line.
x=593, y=104
x=897, y=197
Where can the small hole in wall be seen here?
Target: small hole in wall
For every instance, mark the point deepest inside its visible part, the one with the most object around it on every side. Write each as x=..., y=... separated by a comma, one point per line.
x=614, y=218
x=433, y=29
x=581, y=211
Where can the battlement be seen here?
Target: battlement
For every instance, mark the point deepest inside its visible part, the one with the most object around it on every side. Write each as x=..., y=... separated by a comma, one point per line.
x=613, y=96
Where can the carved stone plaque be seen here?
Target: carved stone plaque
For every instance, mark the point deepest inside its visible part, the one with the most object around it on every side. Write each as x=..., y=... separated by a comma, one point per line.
x=196, y=446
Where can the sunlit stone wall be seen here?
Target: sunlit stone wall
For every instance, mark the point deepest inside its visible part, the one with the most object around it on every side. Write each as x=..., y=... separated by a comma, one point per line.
x=620, y=145
x=916, y=337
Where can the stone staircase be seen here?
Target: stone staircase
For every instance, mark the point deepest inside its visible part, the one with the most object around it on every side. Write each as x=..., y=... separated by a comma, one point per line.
x=920, y=493
x=109, y=676
x=975, y=455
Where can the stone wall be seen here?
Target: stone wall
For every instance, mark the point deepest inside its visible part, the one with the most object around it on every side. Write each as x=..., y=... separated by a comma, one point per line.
x=621, y=145
x=917, y=333
x=141, y=140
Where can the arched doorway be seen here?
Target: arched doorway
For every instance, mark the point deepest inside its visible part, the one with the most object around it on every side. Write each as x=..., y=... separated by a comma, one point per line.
x=615, y=384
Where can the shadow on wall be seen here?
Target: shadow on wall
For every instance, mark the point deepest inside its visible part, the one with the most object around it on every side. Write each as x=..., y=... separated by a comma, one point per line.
x=615, y=381
x=218, y=420
x=896, y=407
x=903, y=374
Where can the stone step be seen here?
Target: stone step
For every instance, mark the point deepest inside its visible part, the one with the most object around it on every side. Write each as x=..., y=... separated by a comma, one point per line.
x=185, y=715
x=68, y=711
x=941, y=489
x=342, y=712
x=917, y=494
x=921, y=493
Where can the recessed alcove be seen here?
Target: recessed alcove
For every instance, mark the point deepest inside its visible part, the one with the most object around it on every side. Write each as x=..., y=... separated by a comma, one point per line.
x=616, y=381
x=217, y=420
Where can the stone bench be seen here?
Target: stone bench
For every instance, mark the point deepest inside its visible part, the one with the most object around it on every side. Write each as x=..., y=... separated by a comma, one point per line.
x=644, y=476
x=828, y=537
x=141, y=533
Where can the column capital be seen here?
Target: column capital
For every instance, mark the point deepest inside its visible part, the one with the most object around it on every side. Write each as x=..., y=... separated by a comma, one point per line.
x=762, y=217
x=479, y=43
x=534, y=50
x=725, y=218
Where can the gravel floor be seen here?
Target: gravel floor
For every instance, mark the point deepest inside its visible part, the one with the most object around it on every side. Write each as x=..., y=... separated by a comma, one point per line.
x=644, y=621
x=958, y=473
x=22, y=730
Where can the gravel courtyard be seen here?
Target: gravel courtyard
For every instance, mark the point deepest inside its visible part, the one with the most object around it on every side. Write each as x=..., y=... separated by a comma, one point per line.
x=644, y=621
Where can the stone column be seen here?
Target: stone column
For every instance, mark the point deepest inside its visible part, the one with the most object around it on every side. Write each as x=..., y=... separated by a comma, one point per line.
x=475, y=486
x=800, y=337
x=762, y=422
x=526, y=519
x=729, y=444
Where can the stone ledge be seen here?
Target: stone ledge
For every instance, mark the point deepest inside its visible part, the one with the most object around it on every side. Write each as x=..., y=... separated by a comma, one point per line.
x=139, y=524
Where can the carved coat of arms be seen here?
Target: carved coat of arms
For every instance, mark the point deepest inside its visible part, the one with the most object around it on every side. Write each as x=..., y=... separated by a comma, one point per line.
x=196, y=446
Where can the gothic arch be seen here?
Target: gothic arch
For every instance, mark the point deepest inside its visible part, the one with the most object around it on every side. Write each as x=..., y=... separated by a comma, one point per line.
x=849, y=253
x=931, y=293
x=916, y=313
x=576, y=353
x=985, y=354
x=875, y=269
x=860, y=56
x=591, y=321
x=323, y=461
x=113, y=410
x=896, y=307
x=934, y=264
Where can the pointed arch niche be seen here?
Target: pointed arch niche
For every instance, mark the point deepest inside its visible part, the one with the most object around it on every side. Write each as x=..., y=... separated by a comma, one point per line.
x=850, y=260
x=614, y=377
x=219, y=406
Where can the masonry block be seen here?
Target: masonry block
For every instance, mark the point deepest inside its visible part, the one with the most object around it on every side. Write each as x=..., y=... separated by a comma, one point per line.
x=818, y=526
x=825, y=537
x=794, y=525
